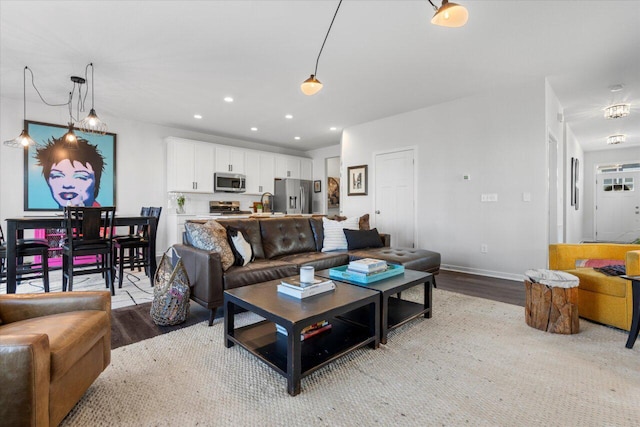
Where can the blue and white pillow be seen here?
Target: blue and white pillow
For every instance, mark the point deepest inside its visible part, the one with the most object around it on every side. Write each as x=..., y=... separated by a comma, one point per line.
x=334, y=238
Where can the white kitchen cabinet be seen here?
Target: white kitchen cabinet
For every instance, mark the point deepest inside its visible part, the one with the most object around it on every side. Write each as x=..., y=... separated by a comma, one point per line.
x=229, y=160
x=287, y=167
x=190, y=166
x=260, y=172
x=306, y=169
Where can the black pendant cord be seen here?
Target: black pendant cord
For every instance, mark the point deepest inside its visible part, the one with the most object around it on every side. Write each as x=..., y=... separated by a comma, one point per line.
x=325, y=37
x=33, y=83
x=434, y=6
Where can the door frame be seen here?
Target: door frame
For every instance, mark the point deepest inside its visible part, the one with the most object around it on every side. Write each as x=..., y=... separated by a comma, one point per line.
x=373, y=184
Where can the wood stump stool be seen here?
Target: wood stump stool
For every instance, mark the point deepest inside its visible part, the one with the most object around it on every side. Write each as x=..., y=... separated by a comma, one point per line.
x=551, y=301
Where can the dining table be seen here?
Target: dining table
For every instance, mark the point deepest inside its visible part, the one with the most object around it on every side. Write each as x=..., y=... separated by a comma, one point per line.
x=16, y=227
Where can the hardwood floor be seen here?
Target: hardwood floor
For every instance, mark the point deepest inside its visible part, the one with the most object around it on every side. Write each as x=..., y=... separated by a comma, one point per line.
x=502, y=290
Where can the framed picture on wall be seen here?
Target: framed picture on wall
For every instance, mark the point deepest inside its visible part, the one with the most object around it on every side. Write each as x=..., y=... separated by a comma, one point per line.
x=333, y=192
x=357, y=180
x=317, y=187
x=57, y=174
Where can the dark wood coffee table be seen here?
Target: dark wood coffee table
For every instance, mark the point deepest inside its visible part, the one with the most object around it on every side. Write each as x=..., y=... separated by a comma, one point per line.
x=287, y=354
x=394, y=310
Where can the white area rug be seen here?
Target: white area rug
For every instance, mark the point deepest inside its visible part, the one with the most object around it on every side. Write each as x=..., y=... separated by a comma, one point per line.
x=474, y=363
x=136, y=287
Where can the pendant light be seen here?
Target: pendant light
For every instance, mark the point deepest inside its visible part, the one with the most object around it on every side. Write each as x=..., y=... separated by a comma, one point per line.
x=22, y=140
x=311, y=86
x=92, y=123
x=449, y=14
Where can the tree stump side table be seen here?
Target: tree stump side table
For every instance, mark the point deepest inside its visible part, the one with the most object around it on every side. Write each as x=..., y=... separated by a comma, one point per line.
x=551, y=301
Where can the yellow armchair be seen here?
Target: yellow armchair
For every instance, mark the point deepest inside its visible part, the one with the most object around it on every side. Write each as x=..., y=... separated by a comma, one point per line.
x=603, y=299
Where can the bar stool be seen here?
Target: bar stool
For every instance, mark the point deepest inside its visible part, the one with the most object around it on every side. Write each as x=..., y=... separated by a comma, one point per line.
x=24, y=248
x=136, y=247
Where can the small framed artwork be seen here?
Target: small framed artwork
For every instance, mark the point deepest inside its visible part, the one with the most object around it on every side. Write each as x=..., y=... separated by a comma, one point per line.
x=357, y=180
x=56, y=175
x=317, y=186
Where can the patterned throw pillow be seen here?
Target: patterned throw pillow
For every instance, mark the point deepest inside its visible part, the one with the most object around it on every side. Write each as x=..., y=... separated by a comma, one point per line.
x=241, y=248
x=334, y=238
x=211, y=236
x=597, y=263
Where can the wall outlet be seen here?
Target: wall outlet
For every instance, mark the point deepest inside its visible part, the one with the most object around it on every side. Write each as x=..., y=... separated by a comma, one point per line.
x=484, y=248
x=493, y=197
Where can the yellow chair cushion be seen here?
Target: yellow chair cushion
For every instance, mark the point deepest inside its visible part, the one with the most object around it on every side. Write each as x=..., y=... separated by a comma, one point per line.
x=594, y=281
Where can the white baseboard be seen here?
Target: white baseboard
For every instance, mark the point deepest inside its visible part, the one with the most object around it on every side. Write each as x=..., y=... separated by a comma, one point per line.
x=488, y=273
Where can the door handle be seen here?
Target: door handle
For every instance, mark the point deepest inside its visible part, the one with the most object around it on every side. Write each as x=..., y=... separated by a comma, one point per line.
x=377, y=212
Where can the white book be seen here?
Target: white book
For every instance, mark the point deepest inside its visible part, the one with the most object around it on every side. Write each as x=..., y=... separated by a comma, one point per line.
x=304, y=293
x=368, y=265
x=297, y=284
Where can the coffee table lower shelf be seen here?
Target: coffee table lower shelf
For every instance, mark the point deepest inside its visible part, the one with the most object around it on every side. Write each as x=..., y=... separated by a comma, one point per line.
x=262, y=340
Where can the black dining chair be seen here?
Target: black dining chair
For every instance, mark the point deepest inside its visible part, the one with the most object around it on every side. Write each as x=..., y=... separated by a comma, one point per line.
x=89, y=233
x=134, y=249
x=26, y=271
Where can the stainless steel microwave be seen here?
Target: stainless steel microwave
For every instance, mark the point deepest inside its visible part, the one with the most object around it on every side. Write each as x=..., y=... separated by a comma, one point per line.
x=229, y=183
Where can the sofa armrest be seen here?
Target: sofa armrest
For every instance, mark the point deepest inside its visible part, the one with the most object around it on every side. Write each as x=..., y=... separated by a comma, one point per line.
x=16, y=307
x=633, y=263
x=386, y=239
x=205, y=272
x=25, y=361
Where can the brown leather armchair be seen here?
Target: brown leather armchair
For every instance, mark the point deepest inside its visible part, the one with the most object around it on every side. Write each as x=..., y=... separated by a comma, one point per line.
x=52, y=348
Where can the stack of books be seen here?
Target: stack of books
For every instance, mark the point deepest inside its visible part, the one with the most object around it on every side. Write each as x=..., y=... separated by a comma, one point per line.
x=367, y=266
x=309, y=331
x=297, y=289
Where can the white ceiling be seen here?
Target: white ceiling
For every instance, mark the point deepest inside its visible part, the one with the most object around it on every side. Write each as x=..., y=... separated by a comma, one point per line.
x=164, y=61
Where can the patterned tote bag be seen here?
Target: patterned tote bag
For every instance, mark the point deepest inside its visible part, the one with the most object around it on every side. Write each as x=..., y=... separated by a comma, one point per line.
x=170, y=304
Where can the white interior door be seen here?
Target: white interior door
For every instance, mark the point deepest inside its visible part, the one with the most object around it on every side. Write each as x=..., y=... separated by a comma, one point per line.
x=618, y=206
x=394, y=197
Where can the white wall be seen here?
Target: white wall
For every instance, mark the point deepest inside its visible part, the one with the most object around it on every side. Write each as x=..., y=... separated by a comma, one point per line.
x=591, y=160
x=555, y=130
x=319, y=173
x=500, y=139
x=140, y=169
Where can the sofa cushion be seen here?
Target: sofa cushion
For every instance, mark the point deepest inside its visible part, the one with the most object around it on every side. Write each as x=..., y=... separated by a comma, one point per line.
x=318, y=260
x=261, y=270
x=334, y=238
x=241, y=248
x=360, y=239
x=285, y=236
x=413, y=259
x=318, y=231
x=250, y=227
x=594, y=281
x=71, y=335
x=211, y=236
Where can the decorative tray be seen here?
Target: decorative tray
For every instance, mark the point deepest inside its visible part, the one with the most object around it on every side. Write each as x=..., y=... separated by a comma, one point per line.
x=341, y=273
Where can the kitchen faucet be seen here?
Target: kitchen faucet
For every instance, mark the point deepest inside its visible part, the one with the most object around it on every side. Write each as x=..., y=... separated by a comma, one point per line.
x=266, y=204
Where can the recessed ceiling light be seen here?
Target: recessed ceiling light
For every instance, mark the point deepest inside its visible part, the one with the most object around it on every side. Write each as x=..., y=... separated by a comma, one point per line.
x=254, y=129
x=616, y=88
x=333, y=128
x=197, y=116
x=228, y=99
x=288, y=116
x=297, y=138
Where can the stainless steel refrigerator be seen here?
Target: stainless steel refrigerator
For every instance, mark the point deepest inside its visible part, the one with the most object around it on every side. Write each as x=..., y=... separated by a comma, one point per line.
x=292, y=196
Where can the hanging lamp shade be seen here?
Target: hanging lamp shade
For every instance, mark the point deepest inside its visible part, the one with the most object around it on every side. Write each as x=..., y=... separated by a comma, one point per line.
x=311, y=86
x=70, y=139
x=450, y=15
x=93, y=124
x=22, y=140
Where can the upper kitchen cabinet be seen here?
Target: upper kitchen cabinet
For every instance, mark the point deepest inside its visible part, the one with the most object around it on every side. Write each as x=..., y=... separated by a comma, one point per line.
x=190, y=166
x=260, y=172
x=306, y=169
x=229, y=160
x=287, y=167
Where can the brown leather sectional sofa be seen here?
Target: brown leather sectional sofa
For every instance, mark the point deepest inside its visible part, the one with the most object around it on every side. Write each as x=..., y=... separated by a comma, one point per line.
x=281, y=245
